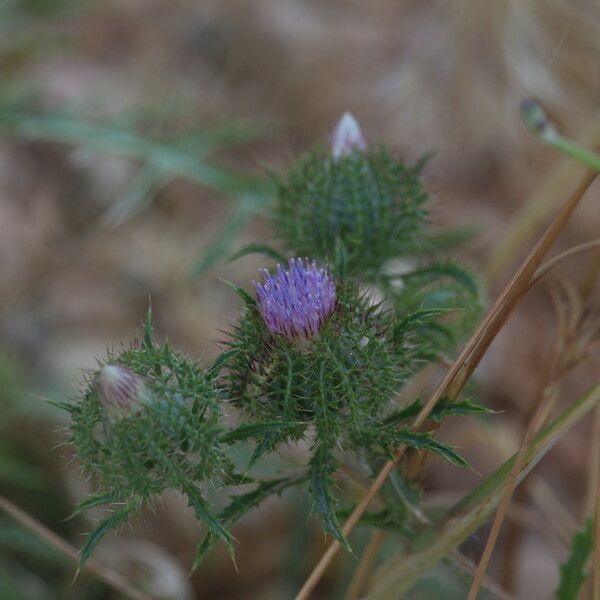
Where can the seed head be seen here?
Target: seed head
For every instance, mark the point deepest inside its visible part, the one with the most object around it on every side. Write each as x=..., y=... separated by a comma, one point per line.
x=296, y=301
x=121, y=391
x=347, y=137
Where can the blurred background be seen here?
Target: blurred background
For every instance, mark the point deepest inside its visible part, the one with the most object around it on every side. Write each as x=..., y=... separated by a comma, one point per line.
x=133, y=138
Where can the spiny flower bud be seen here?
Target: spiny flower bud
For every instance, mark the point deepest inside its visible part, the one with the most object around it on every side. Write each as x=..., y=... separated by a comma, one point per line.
x=296, y=301
x=121, y=391
x=347, y=137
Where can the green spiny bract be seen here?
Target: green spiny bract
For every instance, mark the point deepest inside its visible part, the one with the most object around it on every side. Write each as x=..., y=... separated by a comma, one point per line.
x=149, y=421
x=362, y=209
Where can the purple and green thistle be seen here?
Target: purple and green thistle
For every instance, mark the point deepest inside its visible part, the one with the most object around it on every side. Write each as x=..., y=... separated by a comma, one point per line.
x=121, y=391
x=295, y=302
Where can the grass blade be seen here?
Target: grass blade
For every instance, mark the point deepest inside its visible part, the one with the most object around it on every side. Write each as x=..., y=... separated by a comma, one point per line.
x=463, y=519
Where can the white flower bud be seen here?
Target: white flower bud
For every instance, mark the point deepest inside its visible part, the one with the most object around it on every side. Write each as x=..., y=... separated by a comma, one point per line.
x=121, y=391
x=347, y=137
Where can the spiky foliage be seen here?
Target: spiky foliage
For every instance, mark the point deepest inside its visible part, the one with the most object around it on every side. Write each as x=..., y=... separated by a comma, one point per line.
x=360, y=209
x=166, y=437
x=314, y=355
x=339, y=381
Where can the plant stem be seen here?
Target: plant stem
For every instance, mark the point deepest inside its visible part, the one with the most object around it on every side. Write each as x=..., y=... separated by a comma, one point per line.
x=113, y=579
x=570, y=253
x=463, y=366
x=364, y=566
x=541, y=415
x=538, y=206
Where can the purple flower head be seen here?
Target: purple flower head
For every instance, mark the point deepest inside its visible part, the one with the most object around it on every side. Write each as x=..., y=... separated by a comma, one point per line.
x=121, y=391
x=296, y=301
x=347, y=137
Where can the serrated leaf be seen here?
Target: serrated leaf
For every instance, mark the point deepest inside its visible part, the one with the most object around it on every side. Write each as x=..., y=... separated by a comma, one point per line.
x=572, y=572
x=256, y=430
x=262, y=249
x=417, y=319
x=444, y=408
x=221, y=361
x=437, y=271
x=240, y=505
x=116, y=519
x=426, y=441
x=91, y=502
x=324, y=501
x=205, y=516
x=243, y=294
x=267, y=443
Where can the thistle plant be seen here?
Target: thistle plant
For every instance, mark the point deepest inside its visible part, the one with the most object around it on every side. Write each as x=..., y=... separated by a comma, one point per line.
x=314, y=356
x=353, y=206
x=149, y=421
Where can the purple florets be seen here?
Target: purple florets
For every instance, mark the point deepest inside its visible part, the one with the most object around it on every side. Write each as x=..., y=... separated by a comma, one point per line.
x=296, y=301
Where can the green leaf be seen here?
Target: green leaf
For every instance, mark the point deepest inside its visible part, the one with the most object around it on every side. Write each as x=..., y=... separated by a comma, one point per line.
x=136, y=198
x=239, y=505
x=572, y=573
x=434, y=272
x=243, y=294
x=426, y=441
x=149, y=328
x=116, y=519
x=263, y=249
x=221, y=361
x=399, y=572
x=247, y=205
x=444, y=408
x=447, y=408
x=417, y=319
x=91, y=502
x=257, y=430
x=205, y=516
x=104, y=137
x=324, y=501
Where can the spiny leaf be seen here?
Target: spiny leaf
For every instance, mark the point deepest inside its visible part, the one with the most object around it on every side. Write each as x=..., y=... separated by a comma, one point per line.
x=572, y=572
x=263, y=249
x=434, y=272
x=204, y=515
x=149, y=328
x=257, y=430
x=243, y=294
x=269, y=441
x=444, y=408
x=91, y=502
x=240, y=505
x=426, y=441
x=417, y=319
x=321, y=484
x=398, y=573
x=221, y=361
x=118, y=517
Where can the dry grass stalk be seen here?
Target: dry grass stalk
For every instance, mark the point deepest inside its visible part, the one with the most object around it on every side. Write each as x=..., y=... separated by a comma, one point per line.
x=464, y=365
x=113, y=579
x=564, y=355
x=364, y=566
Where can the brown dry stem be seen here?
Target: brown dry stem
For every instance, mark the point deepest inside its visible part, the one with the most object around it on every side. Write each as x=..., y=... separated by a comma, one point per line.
x=463, y=366
x=113, y=579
